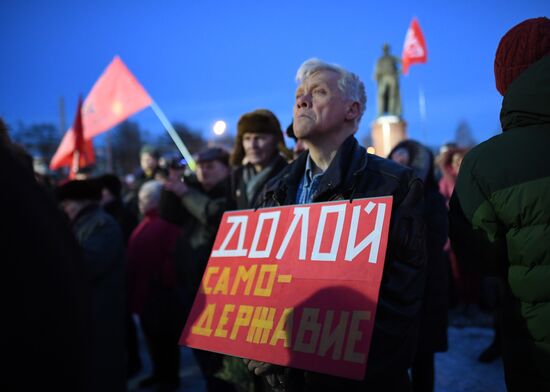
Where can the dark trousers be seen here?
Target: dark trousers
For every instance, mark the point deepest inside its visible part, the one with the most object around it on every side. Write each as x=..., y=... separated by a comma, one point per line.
x=132, y=349
x=422, y=372
x=165, y=354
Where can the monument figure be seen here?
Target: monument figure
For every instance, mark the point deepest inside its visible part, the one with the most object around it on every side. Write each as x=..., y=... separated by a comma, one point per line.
x=386, y=75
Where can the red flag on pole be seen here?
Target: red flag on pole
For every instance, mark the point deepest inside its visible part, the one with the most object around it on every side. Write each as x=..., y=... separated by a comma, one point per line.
x=83, y=154
x=414, y=49
x=74, y=150
x=115, y=96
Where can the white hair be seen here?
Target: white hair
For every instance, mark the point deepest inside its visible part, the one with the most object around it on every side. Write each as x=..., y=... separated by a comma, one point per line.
x=349, y=83
x=150, y=192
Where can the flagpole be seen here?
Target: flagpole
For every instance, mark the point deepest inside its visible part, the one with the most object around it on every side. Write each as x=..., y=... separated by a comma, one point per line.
x=109, y=152
x=422, y=108
x=76, y=163
x=174, y=135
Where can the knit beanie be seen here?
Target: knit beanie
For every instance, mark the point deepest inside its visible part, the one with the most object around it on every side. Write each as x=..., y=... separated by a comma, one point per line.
x=258, y=121
x=523, y=45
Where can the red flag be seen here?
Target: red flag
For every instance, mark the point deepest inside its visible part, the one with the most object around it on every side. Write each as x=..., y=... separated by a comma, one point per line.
x=74, y=150
x=115, y=96
x=414, y=49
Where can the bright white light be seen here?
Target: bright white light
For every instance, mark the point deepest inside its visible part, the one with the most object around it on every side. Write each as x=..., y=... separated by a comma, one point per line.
x=220, y=127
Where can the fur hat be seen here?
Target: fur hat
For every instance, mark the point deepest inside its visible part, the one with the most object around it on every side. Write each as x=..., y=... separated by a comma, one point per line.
x=79, y=190
x=258, y=121
x=523, y=45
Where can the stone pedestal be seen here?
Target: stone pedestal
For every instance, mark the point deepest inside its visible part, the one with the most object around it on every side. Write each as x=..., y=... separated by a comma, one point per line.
x=386, y=132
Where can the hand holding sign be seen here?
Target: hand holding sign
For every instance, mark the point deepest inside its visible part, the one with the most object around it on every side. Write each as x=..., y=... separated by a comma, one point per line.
x=257, y=367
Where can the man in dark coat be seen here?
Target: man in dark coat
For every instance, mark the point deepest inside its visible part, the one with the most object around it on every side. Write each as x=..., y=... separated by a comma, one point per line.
x=149, y=169
x=101, y=241
x=259, y=155
x=329, y=104
x=500, y=208
x=44, y=293
x=111, y=202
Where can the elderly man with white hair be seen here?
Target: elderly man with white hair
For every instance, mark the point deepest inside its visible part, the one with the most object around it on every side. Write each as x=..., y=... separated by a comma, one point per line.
x=330, y=102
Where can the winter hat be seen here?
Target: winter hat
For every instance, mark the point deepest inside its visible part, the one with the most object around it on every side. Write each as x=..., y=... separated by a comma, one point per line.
x=420, y=158
x=213, y=154
x=112, y=184
x=79, y=190
x=523, y=45
x=258, y=121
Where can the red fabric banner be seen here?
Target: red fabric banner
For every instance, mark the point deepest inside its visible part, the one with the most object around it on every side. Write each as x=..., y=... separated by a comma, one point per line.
x=414, y=49
x=74, y=150
x=114, y=97
x=295, y=286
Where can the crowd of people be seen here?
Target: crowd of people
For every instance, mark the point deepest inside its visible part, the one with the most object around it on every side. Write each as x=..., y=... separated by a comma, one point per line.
x=89, y=256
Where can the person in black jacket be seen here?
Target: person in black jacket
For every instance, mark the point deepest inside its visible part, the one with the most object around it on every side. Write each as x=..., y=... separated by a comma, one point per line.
x=434, y=320
x=259, y=155
x=329, y=104
x=111, y=202
x=102, y=244
x=149, y=170
x=45, y=295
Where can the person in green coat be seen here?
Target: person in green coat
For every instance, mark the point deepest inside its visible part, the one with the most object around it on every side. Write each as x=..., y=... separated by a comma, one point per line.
x=500, y=208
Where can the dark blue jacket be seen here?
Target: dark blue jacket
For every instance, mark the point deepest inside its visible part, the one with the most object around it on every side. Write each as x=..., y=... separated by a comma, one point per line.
x=354, y=174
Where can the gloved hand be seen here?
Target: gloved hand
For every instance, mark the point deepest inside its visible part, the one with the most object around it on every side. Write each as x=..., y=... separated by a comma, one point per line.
x=257, y=367
x=273, y=374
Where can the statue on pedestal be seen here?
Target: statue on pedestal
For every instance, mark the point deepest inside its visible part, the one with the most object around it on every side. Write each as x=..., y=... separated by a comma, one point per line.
x=386, y=75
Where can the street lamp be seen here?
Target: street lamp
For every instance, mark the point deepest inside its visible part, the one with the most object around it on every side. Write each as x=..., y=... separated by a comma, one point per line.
x=219, y=127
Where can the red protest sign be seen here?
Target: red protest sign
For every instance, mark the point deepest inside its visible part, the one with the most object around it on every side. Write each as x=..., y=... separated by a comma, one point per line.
x=294, y=286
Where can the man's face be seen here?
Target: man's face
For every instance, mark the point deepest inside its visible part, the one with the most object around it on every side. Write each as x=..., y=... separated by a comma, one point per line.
x=320, y=107
x=259, y=148
x=148, y=162
x=106, y=196
x=71, y=208
x=210, y=173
